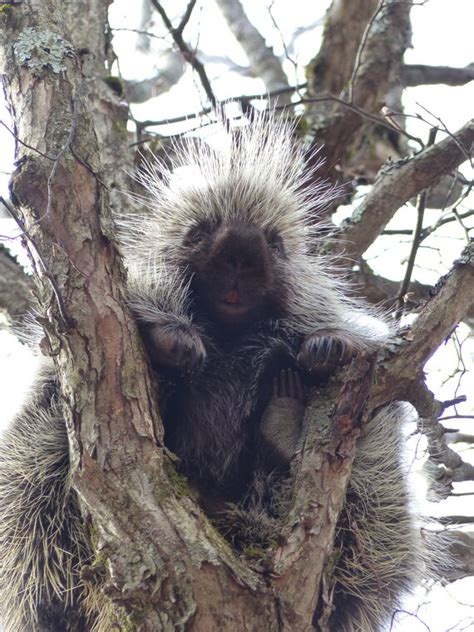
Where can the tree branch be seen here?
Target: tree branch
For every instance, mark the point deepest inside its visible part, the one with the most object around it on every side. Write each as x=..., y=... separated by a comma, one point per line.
x=401, y=377
x=420, y=74
x=461, y=546
x=372, y=59
x=324, y=463
x=397, y=184
x=188, y=54
x=264, y=63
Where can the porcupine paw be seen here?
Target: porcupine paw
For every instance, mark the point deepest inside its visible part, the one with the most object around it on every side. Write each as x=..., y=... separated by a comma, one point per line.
x=177, y=346
x=282, y=419
x=322, y=355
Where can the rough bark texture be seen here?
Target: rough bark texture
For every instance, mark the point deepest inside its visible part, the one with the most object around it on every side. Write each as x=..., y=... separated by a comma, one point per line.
x=344, y=27
x=362, y=69
x=398, y=183
x=15, y=287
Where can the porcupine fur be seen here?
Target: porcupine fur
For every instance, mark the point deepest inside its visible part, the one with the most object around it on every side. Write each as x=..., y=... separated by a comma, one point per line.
x=212, y=410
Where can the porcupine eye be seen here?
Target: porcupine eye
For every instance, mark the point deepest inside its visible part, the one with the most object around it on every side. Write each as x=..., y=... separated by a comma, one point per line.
x=197, y=235
x=275, y=243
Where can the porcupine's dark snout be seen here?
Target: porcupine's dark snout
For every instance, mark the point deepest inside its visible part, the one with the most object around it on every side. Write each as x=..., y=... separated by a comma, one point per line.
x=236, y=281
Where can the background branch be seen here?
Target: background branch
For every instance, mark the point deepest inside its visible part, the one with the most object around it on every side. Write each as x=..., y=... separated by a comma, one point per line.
x=189, y=55
x=420, y=74
x=262, y=60
x=397, y=184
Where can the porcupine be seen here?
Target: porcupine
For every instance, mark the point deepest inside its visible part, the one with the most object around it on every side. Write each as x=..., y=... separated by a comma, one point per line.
x=230, y=298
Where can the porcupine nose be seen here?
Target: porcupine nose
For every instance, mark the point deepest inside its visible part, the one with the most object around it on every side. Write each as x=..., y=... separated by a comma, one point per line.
x=241, y=248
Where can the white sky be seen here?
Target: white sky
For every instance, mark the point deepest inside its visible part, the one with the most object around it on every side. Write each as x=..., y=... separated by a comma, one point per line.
x=442, y=35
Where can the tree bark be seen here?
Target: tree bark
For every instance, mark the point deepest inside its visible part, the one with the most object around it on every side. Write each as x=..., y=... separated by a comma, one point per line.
x=15, y=287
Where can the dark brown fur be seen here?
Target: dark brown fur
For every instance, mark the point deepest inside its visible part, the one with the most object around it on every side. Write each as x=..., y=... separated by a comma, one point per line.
x=219, y=372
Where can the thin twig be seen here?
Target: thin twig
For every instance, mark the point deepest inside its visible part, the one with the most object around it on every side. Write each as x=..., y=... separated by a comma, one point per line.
x=206, y=111
x=460, y=416
x=18, y=140
x=139, y=32
x=361, y=112
x=186, y=17
x=304, y=100
x=450, y=134
x=188, y=54
x=415, y=245
x=362, y=45
x=282, y=40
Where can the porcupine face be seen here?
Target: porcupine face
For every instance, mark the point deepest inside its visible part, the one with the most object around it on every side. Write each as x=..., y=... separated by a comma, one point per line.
x=237, y=279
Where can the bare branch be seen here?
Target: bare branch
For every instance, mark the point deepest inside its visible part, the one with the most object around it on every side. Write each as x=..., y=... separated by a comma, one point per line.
x=397, y=184
x=461, y=546
x=415, y=244
x=420, y=74
x=263, y=62
x=186, y=17
x=455, y=469
x=189, y=55
x=445, y=310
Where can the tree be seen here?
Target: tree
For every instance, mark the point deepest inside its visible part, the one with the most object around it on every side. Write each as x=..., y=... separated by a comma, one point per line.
x=170, y=568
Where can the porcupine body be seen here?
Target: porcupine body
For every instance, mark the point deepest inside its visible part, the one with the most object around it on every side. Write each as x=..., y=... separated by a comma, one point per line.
x=227, y=292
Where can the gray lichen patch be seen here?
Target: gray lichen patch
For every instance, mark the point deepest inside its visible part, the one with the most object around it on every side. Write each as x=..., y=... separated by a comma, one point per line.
x=41, y=50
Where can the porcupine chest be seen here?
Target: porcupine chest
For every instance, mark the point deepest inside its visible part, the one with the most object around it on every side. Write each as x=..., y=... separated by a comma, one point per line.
x=211, y=418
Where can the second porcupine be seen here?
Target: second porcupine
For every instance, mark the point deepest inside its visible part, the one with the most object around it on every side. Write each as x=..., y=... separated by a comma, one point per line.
x=228, y=294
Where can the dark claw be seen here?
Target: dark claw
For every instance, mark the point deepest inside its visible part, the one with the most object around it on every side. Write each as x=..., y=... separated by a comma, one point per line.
x=178, y=347
x=290, y=377
x=320, y=350
x=323, y=354
x=288, y=384
x=329, y=344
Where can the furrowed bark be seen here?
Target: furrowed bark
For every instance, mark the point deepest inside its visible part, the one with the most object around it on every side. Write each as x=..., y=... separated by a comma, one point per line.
x=368, y=66
x=15, y=287
x=322, y=472
x=109, y=397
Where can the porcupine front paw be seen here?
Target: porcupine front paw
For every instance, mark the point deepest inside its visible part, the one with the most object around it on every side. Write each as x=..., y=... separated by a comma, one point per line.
x=321, y=355
x=282, y=419
x=176, y=346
